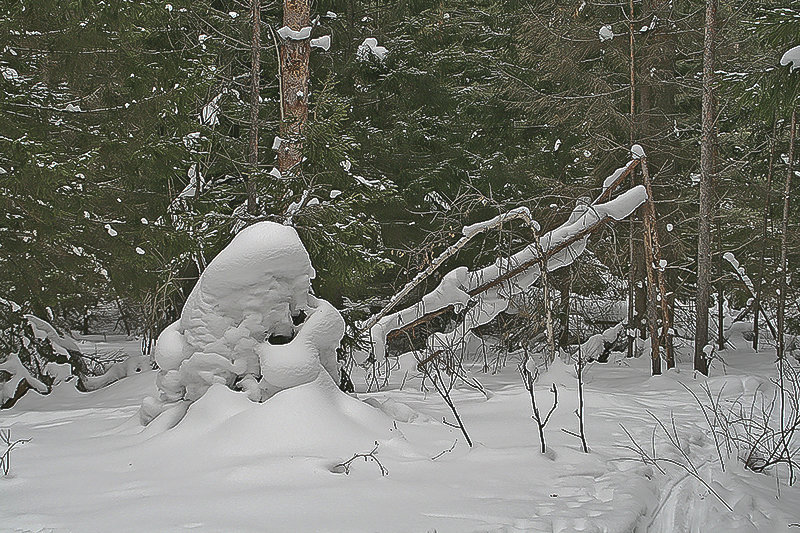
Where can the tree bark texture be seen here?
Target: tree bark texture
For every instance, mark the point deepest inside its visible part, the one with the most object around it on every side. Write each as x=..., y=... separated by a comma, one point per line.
x=764, y=235
x=294, y=74
x=706, y=191
x=783, y=274
x=255, y=89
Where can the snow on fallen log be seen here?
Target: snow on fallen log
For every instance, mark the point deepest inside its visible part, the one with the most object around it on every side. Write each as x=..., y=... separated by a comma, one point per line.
x=598, y=346
x=486, y=292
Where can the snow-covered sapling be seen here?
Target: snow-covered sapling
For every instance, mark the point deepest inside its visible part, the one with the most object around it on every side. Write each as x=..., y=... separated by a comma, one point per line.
x=443, y=369
x=9, y=444
x=579, y=412
x=528, y=379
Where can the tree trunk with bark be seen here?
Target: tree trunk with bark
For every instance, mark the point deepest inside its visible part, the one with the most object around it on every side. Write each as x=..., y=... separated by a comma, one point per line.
x=255, y=90
x=563, y=308
x=631, y=274
x=294, y=56
x=764, y=234
x=783, y=274
x=706, y=191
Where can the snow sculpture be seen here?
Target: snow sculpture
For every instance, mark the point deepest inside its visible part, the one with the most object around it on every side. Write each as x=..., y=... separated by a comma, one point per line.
x=249, y=324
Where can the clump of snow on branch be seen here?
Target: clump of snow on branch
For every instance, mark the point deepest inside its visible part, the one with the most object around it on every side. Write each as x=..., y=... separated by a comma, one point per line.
x=606, y=33
x=62, y=344
x=323, y=42
x=730, y=258
x=791, y=58
x=468, y=233
x=611, y=180
x=369, y=48
x=209, y=116
x=9, y=73
x=519, y=212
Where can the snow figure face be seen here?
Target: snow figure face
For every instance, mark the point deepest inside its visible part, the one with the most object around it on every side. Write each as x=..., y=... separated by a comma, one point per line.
x=250, y=323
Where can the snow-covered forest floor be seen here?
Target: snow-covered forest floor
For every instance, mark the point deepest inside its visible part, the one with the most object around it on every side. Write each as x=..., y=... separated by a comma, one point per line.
x=234, y=466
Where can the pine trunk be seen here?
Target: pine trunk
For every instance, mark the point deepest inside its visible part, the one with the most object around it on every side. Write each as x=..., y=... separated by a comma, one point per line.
x=757, y=302
x=255, y=89
x=631, y=275
x=295, y=56
x=783, y=274
x=563, y=312
x=720, y=292
x=706, y=190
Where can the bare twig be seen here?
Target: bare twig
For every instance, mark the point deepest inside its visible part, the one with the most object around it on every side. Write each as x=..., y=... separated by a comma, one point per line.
x=450, y=449
x=5, y=458
x=369, y=456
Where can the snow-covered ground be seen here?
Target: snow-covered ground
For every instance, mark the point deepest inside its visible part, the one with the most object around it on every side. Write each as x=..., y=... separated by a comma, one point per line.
x=233, y=465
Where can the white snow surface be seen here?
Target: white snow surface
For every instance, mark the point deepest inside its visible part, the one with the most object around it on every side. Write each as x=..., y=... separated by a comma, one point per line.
x=249, y=293
x=791, y=58
x=235, y=465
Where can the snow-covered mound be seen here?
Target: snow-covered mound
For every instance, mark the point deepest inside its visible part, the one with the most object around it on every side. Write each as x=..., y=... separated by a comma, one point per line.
x=250, y=324
x=314, y=419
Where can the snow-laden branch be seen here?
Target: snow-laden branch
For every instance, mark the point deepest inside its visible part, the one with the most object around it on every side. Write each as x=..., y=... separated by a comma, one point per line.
x=469, y=232
x=744, y=278
x=486, y=292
